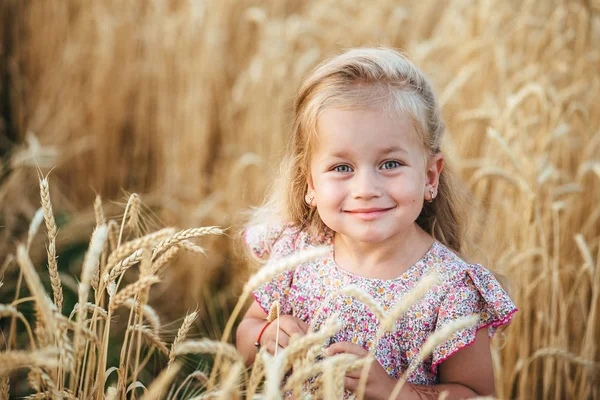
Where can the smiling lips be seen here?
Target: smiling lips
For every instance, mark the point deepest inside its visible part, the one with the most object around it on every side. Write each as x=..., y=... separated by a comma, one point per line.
x=368, y=214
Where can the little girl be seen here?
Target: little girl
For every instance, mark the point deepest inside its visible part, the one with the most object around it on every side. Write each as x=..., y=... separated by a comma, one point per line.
x=364, y=174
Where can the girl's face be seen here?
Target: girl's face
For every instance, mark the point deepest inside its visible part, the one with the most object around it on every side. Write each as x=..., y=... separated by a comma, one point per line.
x=369, y=173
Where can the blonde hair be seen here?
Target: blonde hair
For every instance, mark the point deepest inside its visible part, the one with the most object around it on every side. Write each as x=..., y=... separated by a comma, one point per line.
x=364, y=78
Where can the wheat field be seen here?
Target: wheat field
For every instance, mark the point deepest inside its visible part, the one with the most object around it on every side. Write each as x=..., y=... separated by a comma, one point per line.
x=186, y=105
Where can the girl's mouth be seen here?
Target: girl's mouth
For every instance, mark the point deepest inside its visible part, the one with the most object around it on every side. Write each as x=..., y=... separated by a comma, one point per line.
x=368, y=214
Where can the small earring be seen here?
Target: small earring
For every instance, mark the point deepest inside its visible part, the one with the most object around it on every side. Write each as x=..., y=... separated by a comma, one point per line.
x=432, y=193
x=309, y=198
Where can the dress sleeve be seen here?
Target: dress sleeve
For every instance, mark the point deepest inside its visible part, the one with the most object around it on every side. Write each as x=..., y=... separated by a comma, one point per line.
x=273, y=242
x=475, y=292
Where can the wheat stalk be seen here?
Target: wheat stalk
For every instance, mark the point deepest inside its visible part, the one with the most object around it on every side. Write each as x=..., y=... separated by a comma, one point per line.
x=52, y=232
x=182, y=333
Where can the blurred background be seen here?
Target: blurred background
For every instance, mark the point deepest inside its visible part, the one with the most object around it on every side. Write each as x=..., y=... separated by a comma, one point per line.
x=189, y=104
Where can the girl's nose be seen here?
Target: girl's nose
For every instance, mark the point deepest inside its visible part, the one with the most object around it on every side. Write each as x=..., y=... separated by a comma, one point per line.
x=366, y=185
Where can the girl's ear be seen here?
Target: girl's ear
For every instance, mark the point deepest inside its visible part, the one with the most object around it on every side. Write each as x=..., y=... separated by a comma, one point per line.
x=436, y=165
x=310, y=184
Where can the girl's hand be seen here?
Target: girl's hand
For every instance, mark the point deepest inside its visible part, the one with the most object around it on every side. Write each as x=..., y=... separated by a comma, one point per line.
x=288, y=326
x=379, y=383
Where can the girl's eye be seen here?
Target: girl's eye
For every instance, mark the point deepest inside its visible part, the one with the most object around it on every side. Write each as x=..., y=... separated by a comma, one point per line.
x=390, y=165
x=342, y=168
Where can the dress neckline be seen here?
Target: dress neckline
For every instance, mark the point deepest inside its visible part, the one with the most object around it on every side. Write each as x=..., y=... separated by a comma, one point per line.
x=417, y=266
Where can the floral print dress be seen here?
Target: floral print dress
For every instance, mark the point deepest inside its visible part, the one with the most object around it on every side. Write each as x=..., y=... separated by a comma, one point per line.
x=463, y=289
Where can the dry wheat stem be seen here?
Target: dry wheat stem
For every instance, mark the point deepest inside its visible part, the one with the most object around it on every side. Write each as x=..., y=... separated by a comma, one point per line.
x=52, y=232
x=132, y=290
x=182, y=333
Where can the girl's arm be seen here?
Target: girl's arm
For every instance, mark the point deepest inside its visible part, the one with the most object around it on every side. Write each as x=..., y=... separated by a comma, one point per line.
x=248, y=330
x=467, y=373
x=254, y=320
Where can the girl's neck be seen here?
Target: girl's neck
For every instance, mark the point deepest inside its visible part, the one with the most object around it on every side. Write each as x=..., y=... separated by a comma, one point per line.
x=383, y=260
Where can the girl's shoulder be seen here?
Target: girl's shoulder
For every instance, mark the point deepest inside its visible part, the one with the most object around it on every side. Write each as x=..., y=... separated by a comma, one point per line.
x=451, y=268
x=277, y=240
x=472, y=281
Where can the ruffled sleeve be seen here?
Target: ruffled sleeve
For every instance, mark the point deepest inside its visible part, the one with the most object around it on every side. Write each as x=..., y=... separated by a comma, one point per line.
x=475, y=291
x=273, y=242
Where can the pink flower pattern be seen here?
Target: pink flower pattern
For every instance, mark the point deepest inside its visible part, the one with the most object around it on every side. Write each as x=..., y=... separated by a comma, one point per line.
x=464, y=289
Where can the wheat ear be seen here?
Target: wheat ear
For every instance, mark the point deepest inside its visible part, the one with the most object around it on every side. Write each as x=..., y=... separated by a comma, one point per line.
x=182, y=333
x=4, y=388
x=164, y=259
x=389, y=322
x=151, y=337
x=147, y=312
x=51, y=250
x=131, y=290
x=208, y=346
x=90, y=308
x=127, y=248
x=365, y=298
x=11, y=360
x=90, y=264
x=183, y=235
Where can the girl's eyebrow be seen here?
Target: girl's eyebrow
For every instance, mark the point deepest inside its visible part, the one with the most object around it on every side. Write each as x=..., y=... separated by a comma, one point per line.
x=383, y=151
x=393, y=149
